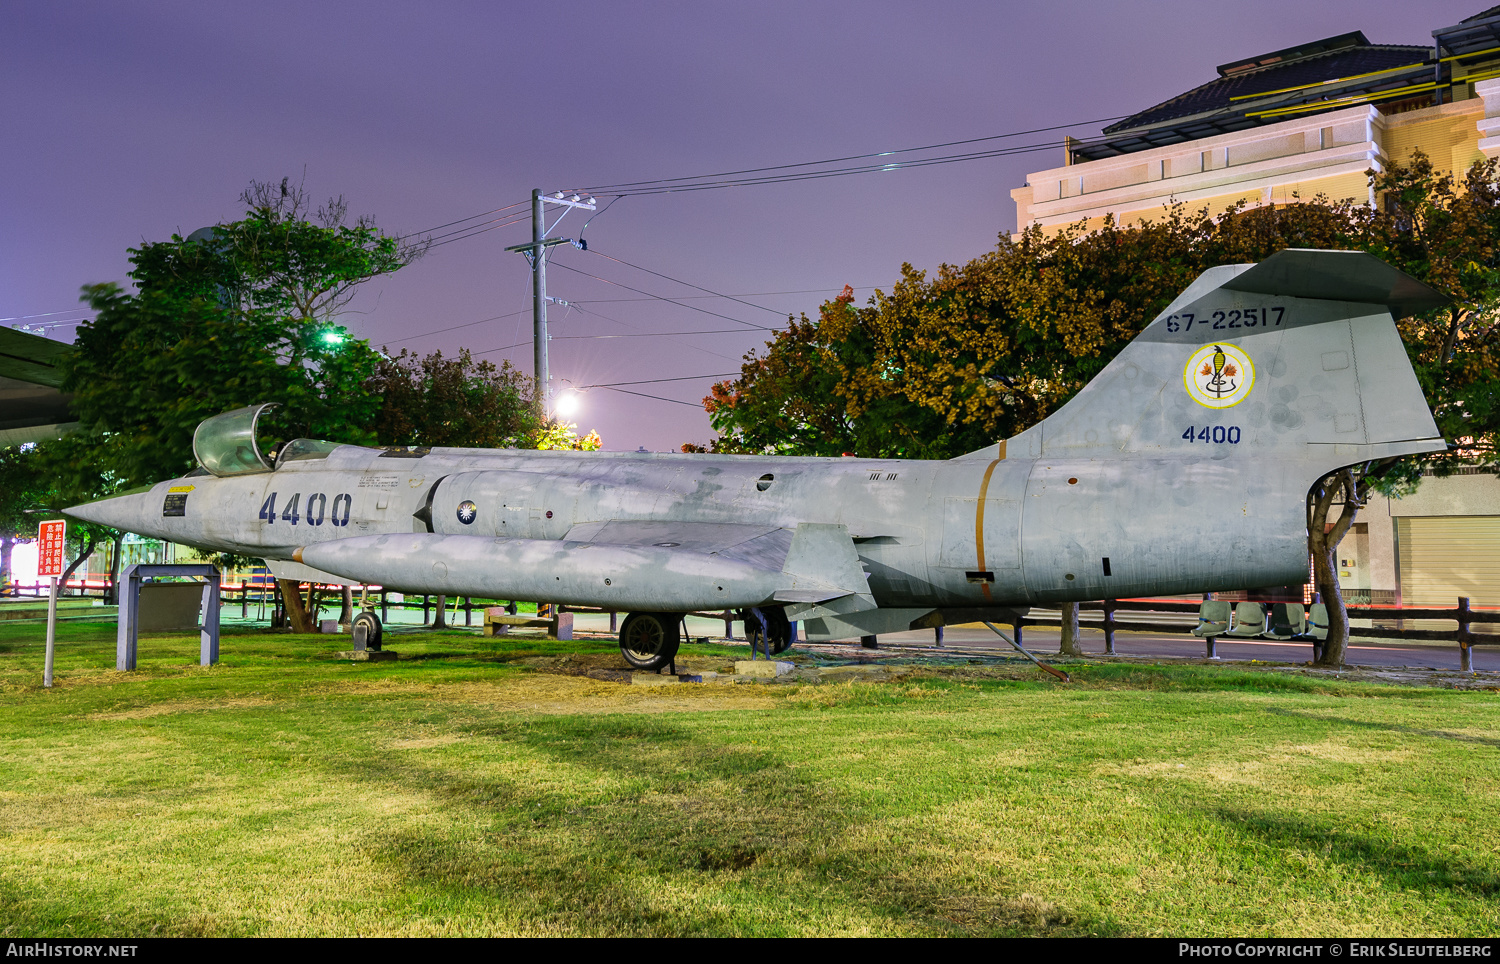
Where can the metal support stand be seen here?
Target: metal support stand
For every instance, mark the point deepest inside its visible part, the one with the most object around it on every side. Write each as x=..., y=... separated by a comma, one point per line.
x=765, y=633
x=51, y=630
x=1465, y=637
x=937, y=636
x=1109, y=627
x=130, y=605
x=1017, y=645
x=1213, y=651
x=869, y=642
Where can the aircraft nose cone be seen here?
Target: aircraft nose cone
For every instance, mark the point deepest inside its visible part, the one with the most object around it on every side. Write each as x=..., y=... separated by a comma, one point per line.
x=128, y=512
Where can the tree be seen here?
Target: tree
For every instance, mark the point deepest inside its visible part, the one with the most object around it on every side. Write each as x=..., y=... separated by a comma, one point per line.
x=1447, y=234
x=981, y=352
x=461, y=402
x=826, y=388
x=240, y=314
x=452, y=401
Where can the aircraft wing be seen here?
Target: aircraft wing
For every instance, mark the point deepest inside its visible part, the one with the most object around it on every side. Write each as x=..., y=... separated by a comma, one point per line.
x=762, y=546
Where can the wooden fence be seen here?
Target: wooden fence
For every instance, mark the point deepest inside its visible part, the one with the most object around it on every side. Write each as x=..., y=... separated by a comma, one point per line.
x=1462, y=615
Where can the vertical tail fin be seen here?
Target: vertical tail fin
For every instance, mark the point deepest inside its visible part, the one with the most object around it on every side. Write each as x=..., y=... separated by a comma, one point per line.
x=1296, y=357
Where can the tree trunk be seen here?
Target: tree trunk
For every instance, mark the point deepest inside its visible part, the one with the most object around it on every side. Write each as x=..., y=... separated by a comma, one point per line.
x=1323, y=542
x=346, y=612
x=291, y=598
x=1069, y=644
x=440, y=621
x=112, y=594
x=86, y=551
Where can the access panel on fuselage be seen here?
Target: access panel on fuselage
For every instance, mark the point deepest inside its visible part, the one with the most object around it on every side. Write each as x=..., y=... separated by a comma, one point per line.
x=1110, y=529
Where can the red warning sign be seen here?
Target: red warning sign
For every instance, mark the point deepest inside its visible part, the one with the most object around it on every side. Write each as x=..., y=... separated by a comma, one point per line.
x=50, y=542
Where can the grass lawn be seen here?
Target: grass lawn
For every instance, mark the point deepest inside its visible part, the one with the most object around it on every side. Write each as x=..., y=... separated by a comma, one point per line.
x=468, y=790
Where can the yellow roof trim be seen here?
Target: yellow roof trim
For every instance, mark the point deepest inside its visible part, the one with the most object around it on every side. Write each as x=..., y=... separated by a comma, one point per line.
x=1336, y=80
x=1342, y=101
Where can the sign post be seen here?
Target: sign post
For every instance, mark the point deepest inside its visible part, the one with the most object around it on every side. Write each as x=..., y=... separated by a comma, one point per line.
x=51, y=540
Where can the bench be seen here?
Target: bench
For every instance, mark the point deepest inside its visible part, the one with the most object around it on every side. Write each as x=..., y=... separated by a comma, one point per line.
x=557, y=627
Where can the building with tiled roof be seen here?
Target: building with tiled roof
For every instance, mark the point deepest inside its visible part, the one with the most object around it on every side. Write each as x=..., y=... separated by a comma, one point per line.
x=1297, y=122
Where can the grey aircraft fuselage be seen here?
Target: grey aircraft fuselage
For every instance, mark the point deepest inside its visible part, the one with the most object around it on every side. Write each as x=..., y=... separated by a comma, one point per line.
x=1183, y=467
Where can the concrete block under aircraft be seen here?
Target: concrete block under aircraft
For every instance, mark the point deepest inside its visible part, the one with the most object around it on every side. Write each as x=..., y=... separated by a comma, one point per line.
x=1183, y=467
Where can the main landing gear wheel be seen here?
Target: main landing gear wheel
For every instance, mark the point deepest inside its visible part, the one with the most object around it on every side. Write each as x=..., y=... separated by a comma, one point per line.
x=650, y=640
x=373, y=629
x=778, y=628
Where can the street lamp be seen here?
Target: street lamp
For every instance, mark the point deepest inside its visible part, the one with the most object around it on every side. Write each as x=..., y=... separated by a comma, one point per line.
x=567, y=405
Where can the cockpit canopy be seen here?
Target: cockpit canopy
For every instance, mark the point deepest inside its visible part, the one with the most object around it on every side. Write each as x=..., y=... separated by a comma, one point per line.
x=225, y=445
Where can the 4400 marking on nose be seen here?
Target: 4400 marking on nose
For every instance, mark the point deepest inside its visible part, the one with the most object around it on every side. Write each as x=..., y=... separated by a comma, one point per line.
x=317, y=508
x=1213, y=433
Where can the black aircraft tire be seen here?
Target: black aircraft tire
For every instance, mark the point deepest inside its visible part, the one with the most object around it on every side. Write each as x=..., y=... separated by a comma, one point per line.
x=780, y=631
x=372, y=624
x=649, y=640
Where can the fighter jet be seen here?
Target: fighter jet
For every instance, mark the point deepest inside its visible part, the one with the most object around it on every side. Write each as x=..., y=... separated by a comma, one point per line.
x=1183, y=467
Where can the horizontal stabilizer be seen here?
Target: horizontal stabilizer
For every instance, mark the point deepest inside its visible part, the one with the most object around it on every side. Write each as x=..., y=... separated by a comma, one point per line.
x=807, y=595
x=1339, y=276
x=823, y=562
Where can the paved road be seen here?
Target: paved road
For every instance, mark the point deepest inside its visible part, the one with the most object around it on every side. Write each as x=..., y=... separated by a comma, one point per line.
x=1042, y=639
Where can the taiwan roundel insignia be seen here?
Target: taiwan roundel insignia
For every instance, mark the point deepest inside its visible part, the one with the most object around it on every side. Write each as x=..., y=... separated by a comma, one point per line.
x=467, y=512
x=1218, y=376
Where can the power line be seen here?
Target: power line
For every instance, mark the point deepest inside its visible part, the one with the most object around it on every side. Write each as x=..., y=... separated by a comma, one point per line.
x=450, y=224
x=749, y=294
x=476, y=230
x=623, y=187
x=457, y=327
x=557, y=264
x=491, y=351
x=48, y=314
x=836, y=172
x=681, y=282
x=802, y=170
x=590, y=311
x=652, y=334
x=657, y=381
x=658, y=398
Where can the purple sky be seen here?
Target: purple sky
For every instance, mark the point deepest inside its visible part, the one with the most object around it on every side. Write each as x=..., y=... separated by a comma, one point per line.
x=128, y=122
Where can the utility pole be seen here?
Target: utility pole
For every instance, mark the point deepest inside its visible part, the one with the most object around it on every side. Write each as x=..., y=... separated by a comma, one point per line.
x=536, y=256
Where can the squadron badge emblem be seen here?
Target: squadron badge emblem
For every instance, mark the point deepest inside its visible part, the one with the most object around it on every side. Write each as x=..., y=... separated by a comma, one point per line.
x=1218, y=376
x=467, y=512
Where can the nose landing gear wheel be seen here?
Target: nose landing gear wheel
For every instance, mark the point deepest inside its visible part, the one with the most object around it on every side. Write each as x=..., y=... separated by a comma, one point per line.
x=371, y=622
x=650, y=640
